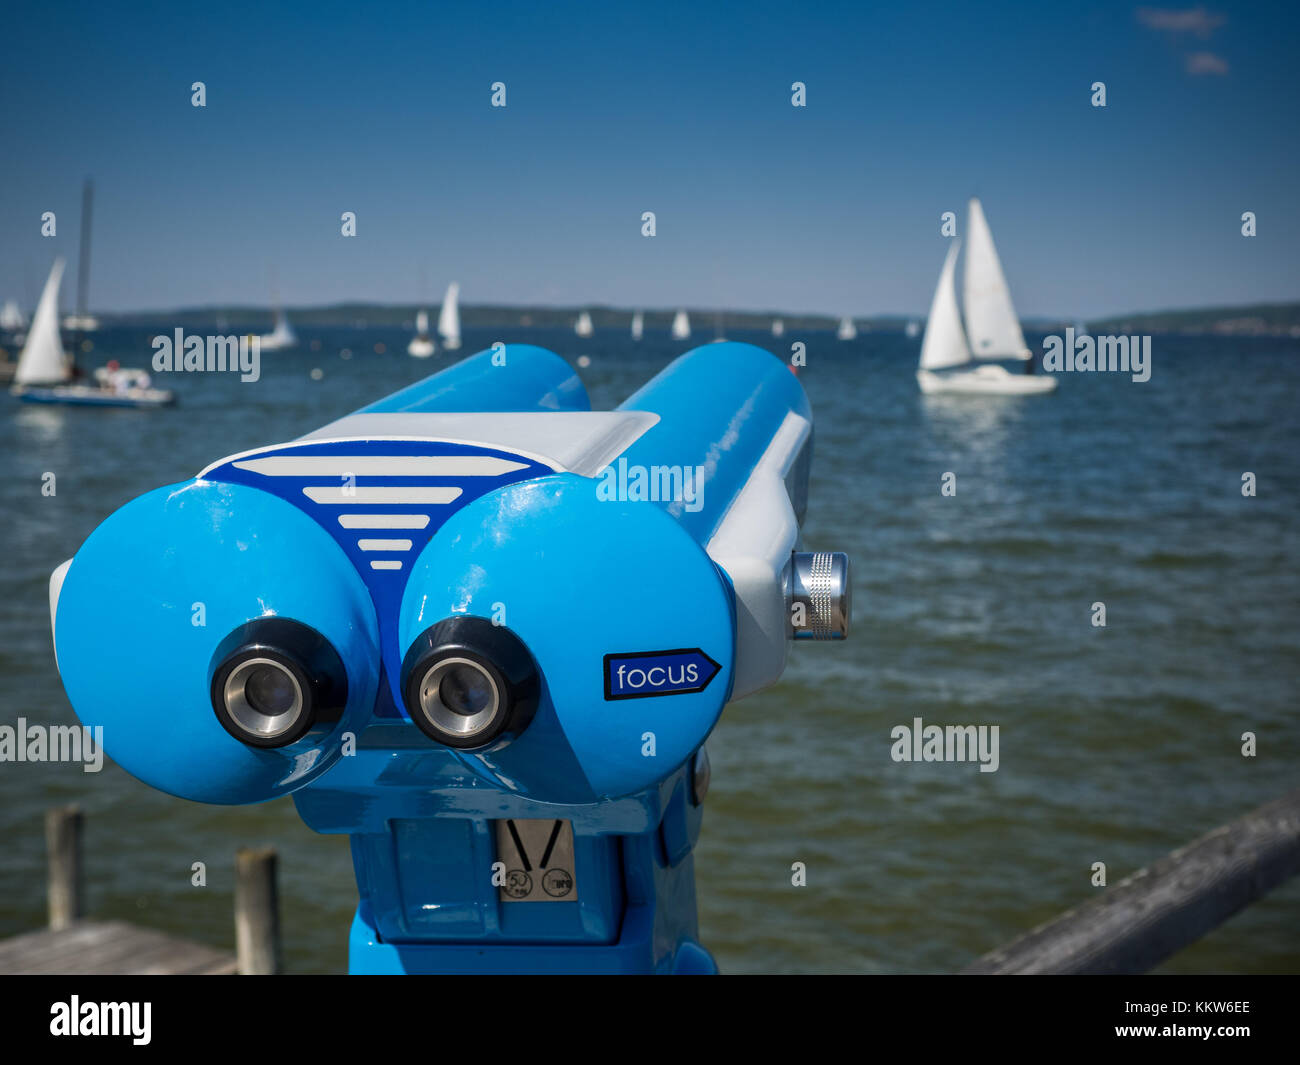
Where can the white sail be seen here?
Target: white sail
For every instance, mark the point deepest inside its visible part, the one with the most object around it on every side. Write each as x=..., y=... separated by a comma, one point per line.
x=282, y=336
x=945, y=341
x=11, y=317
x=638, y=325
x=422, y=323
x=778, y=327
x=42, y=361
x=449, y=317
x=283, y=330
x=847, y=330
x=583, y=326
x=990, y=318
x=681, y=326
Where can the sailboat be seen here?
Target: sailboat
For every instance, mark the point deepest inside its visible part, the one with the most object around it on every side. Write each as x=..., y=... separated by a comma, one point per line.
x=681, y=326
x=282, y=336
x=718, y=337
x=12, y=319
x=912, y=330
x=638, y=325
x=778, y=327
x=847, y=330
x=421, y=345
x=583, y=326
x=946, y=358
x=12, y=322
x=46, y=374
x=449, y=318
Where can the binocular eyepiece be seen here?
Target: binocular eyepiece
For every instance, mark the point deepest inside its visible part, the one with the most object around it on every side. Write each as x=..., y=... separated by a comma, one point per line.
x=467, y=682
x=276, y=681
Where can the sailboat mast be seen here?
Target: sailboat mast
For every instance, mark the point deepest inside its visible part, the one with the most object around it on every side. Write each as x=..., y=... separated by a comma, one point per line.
x=83, y=264
x=83, y=268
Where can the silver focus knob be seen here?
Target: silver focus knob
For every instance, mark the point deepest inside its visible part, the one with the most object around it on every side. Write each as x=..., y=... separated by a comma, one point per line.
x=817, y=595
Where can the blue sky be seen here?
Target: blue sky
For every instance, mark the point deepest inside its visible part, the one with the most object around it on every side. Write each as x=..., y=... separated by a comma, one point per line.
x=684, y=110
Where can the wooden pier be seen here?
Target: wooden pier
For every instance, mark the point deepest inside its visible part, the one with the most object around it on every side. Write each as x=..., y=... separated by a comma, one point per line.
x=74, y=946
x=87, y=948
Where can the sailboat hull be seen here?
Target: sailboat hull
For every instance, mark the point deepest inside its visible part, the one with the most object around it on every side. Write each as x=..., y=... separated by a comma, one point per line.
x=420, y=347
x=89, y=396
x=985, y=381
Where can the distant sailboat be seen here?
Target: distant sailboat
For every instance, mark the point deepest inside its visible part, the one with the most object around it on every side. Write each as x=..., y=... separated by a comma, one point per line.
x=718, y=336
x=282, y=336
x=912, y=330
x=12, y=323
x=583, y=326
x=945, y=352
x=778, y=327
x=681, y=326
x=638, y=325
x=421, y=345
x=12, y=319
x=847, y=330
x=45, y=373
x=449, y=318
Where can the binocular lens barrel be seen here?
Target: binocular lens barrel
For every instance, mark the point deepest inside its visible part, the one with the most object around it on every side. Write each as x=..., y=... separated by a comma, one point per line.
x=275, y=680
x=467, y=682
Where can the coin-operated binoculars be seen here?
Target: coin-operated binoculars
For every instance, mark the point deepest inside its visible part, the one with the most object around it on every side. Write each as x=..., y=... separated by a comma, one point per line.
x=481, y=629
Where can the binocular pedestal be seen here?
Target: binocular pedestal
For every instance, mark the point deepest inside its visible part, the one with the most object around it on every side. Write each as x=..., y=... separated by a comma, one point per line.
x=508, y=885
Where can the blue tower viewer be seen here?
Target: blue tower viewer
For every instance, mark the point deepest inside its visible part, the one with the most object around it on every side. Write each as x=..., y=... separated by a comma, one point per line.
x=482, y=630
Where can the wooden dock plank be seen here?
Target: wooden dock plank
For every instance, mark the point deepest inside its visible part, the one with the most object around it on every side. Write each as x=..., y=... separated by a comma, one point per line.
x=109, y=948
x=49, y=945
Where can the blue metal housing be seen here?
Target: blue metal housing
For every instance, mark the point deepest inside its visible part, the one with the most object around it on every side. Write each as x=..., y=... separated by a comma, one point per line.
x=370, y=541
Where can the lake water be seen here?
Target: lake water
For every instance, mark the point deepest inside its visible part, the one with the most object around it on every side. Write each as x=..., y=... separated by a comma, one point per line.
x=1117, y=744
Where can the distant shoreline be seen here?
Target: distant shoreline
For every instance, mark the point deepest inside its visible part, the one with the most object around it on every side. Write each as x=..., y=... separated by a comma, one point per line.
x=1265, y=319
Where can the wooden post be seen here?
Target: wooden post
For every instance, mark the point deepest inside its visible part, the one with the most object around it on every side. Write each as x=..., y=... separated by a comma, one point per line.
x=257, y=911
x=63, y=825
x=1157, y=911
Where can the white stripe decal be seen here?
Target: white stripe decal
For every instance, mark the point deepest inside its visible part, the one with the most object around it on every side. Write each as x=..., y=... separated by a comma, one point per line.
x=380, y=465
x=386, y=563
x=384, y=545
x=348, y=496
x=384, y=521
